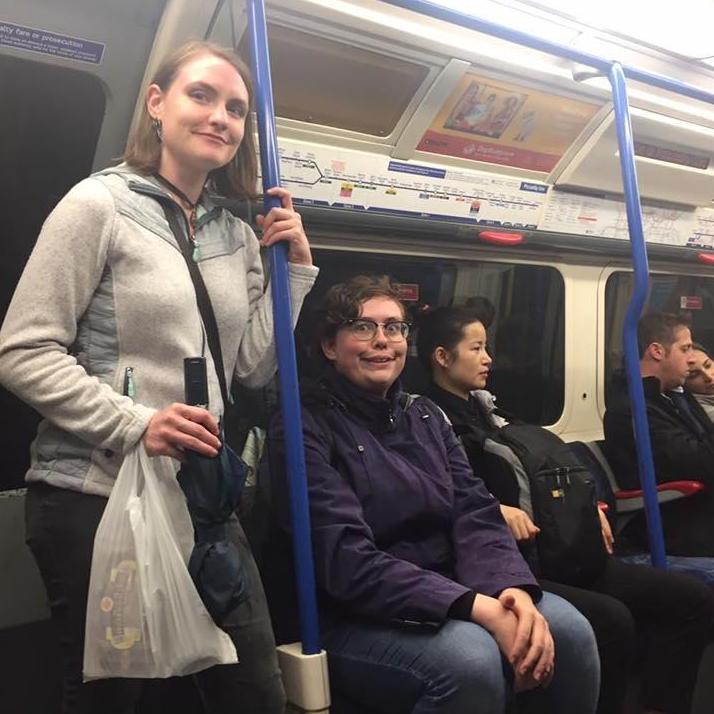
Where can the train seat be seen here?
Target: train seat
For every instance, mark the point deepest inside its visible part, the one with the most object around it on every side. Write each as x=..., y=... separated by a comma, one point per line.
x=628, y=503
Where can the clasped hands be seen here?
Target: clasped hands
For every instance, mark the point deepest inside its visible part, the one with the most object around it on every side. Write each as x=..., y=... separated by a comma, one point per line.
x=521, y=632
x=522, y=635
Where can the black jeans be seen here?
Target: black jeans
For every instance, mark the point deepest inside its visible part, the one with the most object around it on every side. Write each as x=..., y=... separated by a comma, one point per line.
x=60, y=532
x=665, y=617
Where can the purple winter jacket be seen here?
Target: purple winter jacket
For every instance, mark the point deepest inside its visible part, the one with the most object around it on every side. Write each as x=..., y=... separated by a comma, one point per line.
x=401, y=527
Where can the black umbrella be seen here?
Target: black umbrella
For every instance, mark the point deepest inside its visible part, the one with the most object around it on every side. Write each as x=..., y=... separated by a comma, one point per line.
x=212, y=487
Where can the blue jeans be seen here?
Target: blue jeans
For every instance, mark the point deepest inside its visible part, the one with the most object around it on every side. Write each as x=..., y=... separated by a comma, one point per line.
x=458, y=669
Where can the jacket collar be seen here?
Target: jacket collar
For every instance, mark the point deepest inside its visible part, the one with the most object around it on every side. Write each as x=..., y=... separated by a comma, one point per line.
x=486, y=404
x=479, y=409
x=652, y=387
x=146, y=185
x=457, y=407
x=377, y=413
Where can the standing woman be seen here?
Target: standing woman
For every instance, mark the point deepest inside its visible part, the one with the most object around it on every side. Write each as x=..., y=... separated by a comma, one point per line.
x=101, y=320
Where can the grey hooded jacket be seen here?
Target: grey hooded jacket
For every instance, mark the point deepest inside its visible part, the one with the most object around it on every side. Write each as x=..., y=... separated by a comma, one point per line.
x=105, y=289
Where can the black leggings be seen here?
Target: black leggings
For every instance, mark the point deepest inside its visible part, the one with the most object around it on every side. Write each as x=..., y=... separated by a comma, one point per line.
x=60, y=532
x=664, y=617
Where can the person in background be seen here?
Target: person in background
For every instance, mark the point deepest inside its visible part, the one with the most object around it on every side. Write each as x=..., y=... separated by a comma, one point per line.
x=671, y=613
x=101, y=320
x=423, y=591
x=682, y=436
x=700, y=381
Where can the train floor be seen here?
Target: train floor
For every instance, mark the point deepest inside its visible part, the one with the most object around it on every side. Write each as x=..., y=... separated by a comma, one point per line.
x=30, y=680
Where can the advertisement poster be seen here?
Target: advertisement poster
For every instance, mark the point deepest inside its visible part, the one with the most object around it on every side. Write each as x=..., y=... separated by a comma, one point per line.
x=502, y=123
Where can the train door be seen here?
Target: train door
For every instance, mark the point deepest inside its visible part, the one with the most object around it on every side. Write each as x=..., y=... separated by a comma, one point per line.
x=69, y=76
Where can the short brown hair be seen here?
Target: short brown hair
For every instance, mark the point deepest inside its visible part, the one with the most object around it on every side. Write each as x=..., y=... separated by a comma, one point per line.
x=237, y=179
x=343, y=302
x=661, y=327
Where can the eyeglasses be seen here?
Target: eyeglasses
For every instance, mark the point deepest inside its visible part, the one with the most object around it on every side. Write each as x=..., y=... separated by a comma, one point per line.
x=362, y=329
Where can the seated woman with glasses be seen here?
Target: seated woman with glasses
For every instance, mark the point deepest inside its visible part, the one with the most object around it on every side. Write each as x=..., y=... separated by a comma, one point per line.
x=424, y=594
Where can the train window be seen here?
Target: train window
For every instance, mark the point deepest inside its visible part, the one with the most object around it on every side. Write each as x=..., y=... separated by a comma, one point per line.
x=693, y=294
x=321, y=81
x=47, y=144
x=526, y=337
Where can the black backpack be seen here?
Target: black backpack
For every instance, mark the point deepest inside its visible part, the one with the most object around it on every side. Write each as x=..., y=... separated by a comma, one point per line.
x=558, y=493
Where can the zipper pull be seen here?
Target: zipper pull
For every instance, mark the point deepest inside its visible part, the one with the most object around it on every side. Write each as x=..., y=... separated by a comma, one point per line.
x=129, y=388
x=196, y=255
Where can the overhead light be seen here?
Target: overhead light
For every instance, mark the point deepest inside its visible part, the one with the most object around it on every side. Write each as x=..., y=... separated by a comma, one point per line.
x=686, y=33
x=512, y=15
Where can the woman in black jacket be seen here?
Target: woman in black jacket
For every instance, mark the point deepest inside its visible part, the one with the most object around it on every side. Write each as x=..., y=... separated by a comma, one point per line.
x=672, y=612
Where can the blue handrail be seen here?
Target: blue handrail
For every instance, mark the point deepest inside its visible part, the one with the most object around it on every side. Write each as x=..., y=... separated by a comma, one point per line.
x=616, y=74
x=455, y=17
x=284, y=340
x=640, y=269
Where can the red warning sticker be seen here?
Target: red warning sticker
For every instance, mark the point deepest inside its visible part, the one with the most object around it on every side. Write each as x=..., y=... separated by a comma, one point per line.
x=691, y=302
x=409, y=292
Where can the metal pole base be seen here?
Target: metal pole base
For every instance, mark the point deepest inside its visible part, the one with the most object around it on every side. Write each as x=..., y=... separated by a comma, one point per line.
x=305, y=679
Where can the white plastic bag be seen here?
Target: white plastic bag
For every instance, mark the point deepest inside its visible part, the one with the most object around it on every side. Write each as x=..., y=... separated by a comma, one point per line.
x=144, y=616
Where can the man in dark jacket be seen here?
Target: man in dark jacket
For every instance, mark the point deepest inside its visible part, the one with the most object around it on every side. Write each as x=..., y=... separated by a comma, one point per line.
x=682, y=436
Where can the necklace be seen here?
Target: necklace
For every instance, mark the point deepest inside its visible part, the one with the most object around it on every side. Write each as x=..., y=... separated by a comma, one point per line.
x=192, y=205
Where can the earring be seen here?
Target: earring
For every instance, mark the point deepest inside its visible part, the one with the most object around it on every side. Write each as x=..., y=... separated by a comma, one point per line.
x=156, y=125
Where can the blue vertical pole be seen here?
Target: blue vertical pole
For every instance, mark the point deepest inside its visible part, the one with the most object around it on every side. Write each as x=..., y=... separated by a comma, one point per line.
x=466, y=19
x=634, y=310
x=284, y=341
